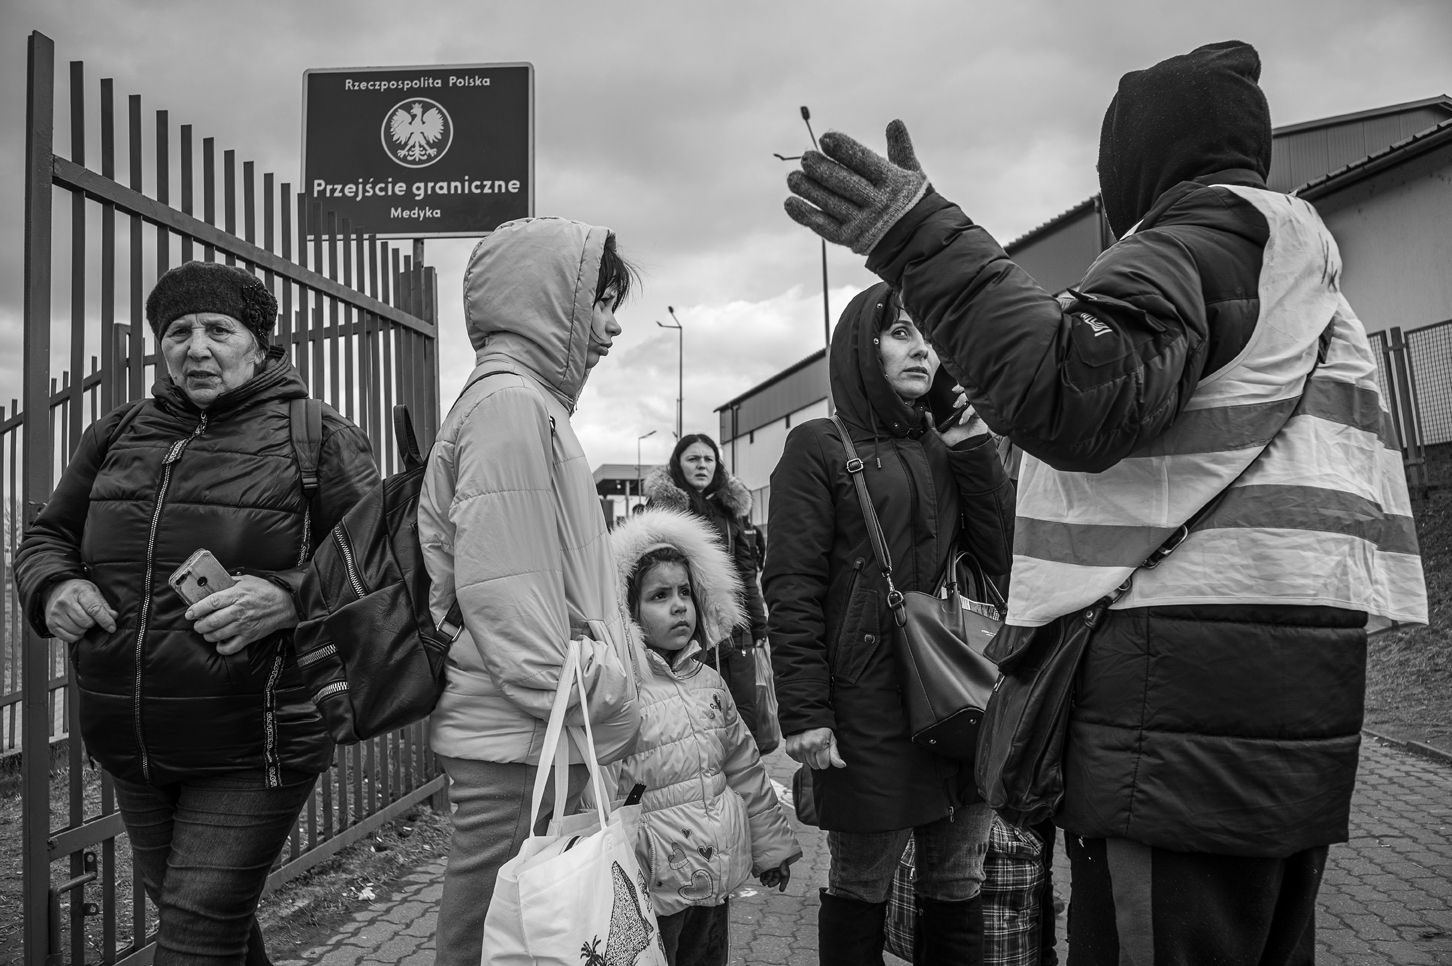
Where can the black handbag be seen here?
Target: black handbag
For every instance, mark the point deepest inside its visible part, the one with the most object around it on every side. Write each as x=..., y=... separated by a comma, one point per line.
x=939, y=638
x=1019, y=770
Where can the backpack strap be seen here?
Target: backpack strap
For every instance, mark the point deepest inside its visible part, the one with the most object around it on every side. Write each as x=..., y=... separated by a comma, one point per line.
x=404, y=437
x=305, y=417
x=453, y=623
x=124, y=423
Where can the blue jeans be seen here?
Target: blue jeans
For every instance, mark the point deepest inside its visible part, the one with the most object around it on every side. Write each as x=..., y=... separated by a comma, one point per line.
x=204, y=848
x=949, y=858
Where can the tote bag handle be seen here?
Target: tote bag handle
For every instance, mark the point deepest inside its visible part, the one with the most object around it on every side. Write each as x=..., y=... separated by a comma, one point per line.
x=572, y=675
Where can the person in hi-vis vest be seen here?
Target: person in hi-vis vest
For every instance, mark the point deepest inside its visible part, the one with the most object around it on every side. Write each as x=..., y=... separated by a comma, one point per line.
x=1213, y=745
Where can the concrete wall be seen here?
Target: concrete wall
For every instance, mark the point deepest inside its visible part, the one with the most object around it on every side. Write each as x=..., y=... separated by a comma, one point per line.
x=1059, y=259
x=752, y=457
x=1395, y=235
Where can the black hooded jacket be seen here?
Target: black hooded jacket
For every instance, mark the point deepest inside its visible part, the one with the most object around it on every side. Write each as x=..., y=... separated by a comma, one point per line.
x=1082, y=381
x=149, y=484
x=830, y=628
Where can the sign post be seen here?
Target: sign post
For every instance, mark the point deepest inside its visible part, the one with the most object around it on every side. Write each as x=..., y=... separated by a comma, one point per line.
x=421, y=152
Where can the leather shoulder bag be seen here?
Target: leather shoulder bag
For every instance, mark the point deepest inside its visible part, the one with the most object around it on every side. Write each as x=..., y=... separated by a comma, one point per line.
x=1019, y=769
x=939, y=640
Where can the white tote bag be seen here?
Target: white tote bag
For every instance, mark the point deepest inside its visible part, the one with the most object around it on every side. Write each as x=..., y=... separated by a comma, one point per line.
x=574, y=895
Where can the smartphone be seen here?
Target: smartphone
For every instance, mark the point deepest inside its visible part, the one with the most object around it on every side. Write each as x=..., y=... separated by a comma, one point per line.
x=951, y=421
x=200, y=577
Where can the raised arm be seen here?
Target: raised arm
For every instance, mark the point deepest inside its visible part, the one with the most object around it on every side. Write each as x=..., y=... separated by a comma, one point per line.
x=986, y=496
x=1079, y=383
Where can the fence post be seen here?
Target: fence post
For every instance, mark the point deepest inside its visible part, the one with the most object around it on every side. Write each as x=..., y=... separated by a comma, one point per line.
x=1414, y=455
x=35, y=743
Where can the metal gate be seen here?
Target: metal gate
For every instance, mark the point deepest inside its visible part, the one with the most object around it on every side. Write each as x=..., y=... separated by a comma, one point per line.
x=356, y=318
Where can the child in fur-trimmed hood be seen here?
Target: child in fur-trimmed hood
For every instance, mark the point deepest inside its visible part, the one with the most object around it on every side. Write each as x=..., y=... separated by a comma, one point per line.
x=712, y=818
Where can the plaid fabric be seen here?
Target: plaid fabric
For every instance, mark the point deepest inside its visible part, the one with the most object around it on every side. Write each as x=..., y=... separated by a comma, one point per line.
x=1013, y=877
x=902, y=907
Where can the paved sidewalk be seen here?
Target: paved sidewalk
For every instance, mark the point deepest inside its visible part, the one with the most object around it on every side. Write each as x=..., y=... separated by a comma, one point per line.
x=1386, y=898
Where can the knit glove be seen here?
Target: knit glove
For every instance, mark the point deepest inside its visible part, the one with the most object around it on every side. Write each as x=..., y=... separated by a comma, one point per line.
x=858, y=194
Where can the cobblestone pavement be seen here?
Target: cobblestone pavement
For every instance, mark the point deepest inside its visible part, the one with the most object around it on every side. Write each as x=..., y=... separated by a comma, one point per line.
x=1386, y=897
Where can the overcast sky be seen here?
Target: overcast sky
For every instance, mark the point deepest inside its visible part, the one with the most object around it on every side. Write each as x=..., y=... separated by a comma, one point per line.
x=659, y=120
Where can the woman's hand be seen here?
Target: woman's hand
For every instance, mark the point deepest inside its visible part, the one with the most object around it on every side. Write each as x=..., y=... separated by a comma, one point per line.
x=248, y=611
x=817, y=749
x=74, y=607
x=969, y=423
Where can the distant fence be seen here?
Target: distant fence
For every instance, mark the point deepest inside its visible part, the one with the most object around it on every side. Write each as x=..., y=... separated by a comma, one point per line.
x=356, y=317
x=1415, y=376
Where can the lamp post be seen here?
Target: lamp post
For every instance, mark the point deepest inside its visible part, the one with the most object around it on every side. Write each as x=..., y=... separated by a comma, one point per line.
x=680, y=368
x=826, y=309
x=637, y=464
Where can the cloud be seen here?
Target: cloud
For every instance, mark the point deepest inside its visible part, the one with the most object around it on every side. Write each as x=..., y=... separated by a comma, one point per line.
x=660, y=120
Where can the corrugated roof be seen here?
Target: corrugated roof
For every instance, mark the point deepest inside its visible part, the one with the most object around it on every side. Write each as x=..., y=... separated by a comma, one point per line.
x=1441, y=100
x=1403, y=150
x=789, y=370
x=1320, y=122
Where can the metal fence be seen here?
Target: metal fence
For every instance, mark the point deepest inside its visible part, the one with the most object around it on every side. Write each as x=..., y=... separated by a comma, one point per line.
x=1415, y=376
x=355, y=317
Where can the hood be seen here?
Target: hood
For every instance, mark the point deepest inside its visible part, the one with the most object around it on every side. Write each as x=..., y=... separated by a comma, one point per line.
x=528, y=295
x=864, y=399
x=714, y=582
x=279, y=380
x=661, y=490
x=1190, y=116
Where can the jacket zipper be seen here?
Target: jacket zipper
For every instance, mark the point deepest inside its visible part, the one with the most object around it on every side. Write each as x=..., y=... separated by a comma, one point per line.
x=167, y=463
x=349, y=564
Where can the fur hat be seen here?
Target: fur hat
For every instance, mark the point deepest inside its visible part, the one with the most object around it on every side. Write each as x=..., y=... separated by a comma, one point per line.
x=212, y=287
x=714, y=583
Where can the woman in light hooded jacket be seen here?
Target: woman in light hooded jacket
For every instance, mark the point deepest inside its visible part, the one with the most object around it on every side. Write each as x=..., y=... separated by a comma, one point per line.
x=511, y=526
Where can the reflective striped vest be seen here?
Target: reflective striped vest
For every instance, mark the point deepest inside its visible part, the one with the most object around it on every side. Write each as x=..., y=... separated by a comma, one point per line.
x=1321, y=515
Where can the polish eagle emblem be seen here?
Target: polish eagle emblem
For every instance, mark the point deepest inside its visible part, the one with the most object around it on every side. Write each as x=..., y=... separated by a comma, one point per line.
x=417, y=132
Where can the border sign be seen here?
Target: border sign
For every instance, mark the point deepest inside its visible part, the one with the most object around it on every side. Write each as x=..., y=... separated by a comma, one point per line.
x=421, y=152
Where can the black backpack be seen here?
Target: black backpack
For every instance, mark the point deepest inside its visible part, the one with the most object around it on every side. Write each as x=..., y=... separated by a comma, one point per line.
x=368, y=647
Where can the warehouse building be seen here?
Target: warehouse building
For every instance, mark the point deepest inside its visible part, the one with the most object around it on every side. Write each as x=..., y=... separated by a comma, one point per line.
x=1382, y=180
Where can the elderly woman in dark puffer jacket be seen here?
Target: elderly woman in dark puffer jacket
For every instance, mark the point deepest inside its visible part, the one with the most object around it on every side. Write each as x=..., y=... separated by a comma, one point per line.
x=832, y=632
x=197, y=712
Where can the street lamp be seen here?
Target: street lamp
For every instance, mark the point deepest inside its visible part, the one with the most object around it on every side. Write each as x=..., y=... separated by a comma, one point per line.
x=637, y=463
x=680, y=368
x=826, y=309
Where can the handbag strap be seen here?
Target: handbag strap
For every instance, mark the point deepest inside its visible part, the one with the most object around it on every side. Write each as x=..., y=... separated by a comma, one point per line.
x=874, y=526
x=990, y=589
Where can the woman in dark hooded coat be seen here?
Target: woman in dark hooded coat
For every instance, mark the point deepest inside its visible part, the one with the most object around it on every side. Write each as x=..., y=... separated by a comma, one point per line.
x=831, y=631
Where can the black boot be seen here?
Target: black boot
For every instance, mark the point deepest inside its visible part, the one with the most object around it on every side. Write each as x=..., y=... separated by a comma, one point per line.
x=949, y=933
x=850, y=932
